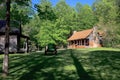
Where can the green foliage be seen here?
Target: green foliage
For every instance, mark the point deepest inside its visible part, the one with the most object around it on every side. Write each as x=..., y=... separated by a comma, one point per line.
x=66, y=15
x=22, y=2
x=118, y=11
x=78, y=7
x=2, y=1
x=105, y=10
x=20, y=13
x=51, y=33
x=45, y=11
x=86, y=17
x=32, y=28
x=3, y=11
x=108, y=14
x=57, y=23
x=54, y=24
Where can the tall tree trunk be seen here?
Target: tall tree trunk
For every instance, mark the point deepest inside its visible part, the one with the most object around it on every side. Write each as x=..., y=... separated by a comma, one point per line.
x=20, y=24
x=6, y=53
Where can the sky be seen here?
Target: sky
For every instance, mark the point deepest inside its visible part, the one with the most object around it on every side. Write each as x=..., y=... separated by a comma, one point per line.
x=73, y=2
x=69, y=2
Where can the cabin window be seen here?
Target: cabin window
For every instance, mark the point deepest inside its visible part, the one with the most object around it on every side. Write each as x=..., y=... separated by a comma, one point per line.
x=72, y=42
x=79, y=42
x=87, y=42
x=75, y=42
x=82, y=41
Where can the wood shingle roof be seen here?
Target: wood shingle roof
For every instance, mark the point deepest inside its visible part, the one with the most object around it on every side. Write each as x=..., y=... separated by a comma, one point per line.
x=80, y=35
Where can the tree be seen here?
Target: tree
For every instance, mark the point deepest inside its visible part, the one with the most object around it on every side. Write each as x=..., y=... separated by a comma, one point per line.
x=45, y=10
x=32, y=28
x=20, y=13
x=52, y=33
x=3, y=9
x=78, y=7
x=118, y=11
x=64, y=21
x=107, y=13
x=105, y=10
x=85, y=16
x=6, y=53
x=66, y=16
x=7, y=28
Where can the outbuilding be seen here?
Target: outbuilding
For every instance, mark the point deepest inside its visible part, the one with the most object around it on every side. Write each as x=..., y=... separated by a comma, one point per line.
x=15, y=37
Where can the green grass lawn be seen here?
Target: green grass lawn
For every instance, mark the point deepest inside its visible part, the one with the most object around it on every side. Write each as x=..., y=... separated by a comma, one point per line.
x=79, y=64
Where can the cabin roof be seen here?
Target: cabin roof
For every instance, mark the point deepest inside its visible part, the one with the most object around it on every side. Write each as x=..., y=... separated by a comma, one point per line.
x=80, y=35
x=2, y=23
x=12, y=29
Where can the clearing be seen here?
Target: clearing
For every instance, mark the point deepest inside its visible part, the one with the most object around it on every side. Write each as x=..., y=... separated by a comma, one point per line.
x=78, y=64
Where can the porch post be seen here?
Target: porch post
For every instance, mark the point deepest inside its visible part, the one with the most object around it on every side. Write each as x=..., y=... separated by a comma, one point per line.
x=68, y=44
x=77, y=43
x=27, y=45
x=18, y=43
x=84, y=42
x=74, y=43
x=80, y=42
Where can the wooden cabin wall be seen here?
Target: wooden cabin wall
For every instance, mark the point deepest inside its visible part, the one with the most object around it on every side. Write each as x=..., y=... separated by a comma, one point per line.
x=12, y=44
x=92, y=43
x=2, y=43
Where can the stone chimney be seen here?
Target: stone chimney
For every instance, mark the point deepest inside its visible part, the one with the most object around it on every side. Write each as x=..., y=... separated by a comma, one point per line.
x=94, y=31
x=74, y=32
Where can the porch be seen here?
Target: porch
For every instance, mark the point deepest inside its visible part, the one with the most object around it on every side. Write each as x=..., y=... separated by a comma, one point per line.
x=81, y=43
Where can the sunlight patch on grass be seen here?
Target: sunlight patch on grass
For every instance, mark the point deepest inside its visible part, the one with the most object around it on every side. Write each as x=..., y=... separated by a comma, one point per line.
x=60, y=59
x=102, y=48
x=69, y=68
x=1, y=56
x=47, y=69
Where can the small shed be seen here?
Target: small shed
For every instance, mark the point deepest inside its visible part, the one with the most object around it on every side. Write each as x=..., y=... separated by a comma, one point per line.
x=89, y=38
x=15, y=36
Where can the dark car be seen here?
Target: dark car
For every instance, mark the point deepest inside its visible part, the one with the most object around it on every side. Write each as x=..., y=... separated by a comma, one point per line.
x=51, y=48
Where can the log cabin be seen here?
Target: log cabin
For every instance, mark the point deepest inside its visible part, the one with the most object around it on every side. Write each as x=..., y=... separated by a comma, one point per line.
x=15, y=37
x=89, y=38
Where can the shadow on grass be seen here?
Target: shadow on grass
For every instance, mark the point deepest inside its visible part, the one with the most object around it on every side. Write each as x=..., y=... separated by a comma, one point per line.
x=37, y=66
x=83, y=75
x=106, y=64
x=31, y=74
x=66, y=65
